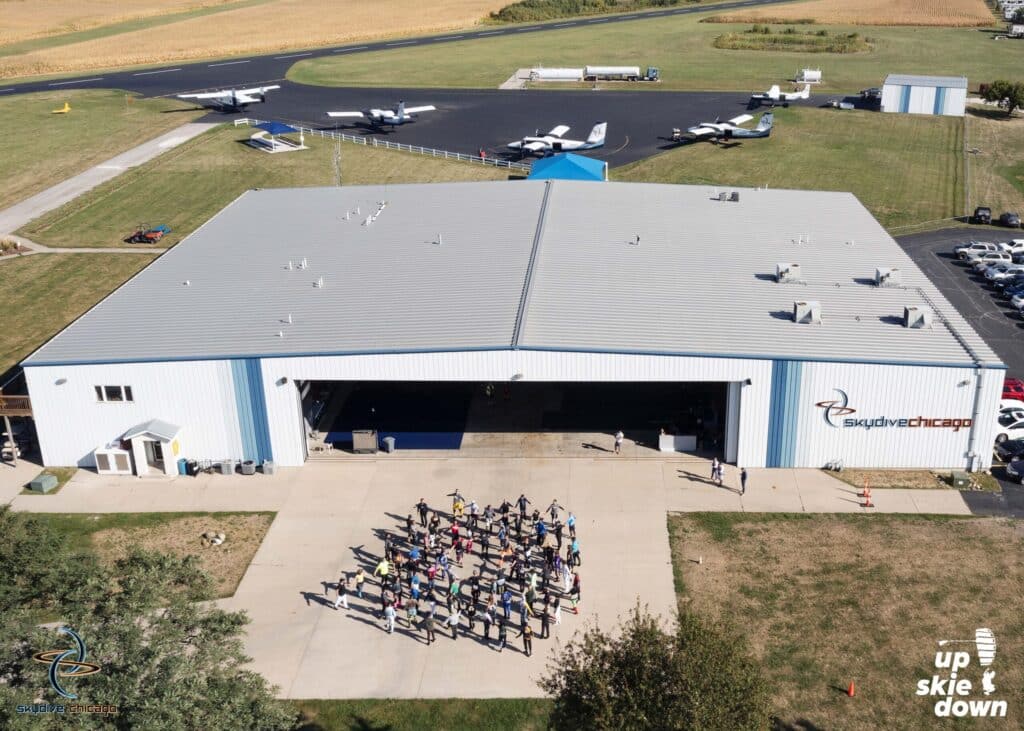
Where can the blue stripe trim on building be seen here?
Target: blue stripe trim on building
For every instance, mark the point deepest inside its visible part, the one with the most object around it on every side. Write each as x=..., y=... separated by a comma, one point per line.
x=905, y=99
x=940, y=100
x=782, y=412
x=253, y=426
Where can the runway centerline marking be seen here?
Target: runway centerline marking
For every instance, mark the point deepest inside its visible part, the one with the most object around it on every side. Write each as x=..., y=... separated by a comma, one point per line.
x=520, y=30
x=6, y=90
x=346, y=50
x=78, y=81
x=448, y=38
x=400, y=43
x=490, y=33
x=227, y=63
x=161, y=71
x=562, y=25
x=599, y=20
x=293, y=55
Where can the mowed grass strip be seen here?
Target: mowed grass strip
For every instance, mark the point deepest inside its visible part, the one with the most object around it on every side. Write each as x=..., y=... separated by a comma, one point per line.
x=966, y=13
x=451, y=714
x=40, y=149
x=906, y=169
x=111, y=535
x=682, y=47
x=997, y=169
x=186, y=186
x=42, y=293
x=826, y=600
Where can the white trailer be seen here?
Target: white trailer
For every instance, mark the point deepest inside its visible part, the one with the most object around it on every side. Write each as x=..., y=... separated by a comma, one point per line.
x=612, y=73
x=809, y=76
x=556, y=74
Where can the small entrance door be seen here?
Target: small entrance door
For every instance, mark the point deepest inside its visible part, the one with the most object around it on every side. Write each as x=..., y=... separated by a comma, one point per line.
x=154, y=455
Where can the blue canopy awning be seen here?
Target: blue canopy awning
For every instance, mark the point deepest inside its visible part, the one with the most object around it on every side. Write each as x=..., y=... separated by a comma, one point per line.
x=568, y=166
x=276, y=128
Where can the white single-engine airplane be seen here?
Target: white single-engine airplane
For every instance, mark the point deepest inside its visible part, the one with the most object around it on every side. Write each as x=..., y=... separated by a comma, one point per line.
x=717, y=130
x=554, y=142
x=776, y=96
x=231, y=100
x=400, y=114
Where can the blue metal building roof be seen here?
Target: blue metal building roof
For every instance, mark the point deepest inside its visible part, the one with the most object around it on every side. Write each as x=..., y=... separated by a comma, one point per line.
x=568, y=166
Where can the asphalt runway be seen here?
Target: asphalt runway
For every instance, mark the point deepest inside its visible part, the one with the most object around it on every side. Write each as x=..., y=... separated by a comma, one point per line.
x=639, y=123
x=259, y=70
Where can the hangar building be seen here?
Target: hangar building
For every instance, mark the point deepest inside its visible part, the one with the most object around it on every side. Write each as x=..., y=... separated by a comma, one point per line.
x=772, y=327
x=939, y=95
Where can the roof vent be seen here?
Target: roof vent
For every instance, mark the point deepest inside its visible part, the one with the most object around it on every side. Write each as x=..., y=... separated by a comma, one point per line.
x=886, y=277
x=735, y=197
x=807, y=312
x=723, y=196
x=788, y=273
x=916, y=316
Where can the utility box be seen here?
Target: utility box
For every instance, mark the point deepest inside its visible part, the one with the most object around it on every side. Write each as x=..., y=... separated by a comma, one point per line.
x=44, y=483
x=916, y=316
x=364, y=441
x=959, y=479
x=227, y=467
x=888, y=277
x=248, y=467
x=787, y=272
x=268, y=467
x=807, y=313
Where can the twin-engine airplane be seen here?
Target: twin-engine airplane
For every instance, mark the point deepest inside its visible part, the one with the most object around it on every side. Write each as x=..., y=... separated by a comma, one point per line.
x=390, y=117
x=553, y=141
x=717, y=130
x=231, y=100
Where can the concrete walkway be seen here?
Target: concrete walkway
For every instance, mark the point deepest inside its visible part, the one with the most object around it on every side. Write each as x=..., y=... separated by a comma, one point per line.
x=22, y=213
x=329, y=518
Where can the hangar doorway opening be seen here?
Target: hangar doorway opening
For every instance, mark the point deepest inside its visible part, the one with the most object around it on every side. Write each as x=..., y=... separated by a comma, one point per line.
x=518, y=418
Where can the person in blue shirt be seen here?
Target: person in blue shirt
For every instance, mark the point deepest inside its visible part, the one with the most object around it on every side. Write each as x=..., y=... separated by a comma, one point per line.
x=506, y=604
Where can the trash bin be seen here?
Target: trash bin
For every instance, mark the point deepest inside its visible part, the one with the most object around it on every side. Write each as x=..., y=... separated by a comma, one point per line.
x=183, y=466
x=192, y=468
x=248, y=467
x=227, y=467
x=268, y=467
x=389, y=444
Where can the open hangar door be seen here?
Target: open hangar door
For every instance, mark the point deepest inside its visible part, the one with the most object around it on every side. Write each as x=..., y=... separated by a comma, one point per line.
x=529, y=418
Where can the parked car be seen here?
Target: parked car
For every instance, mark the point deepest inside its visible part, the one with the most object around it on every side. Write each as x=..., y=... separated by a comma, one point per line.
x=1010, y=220
x=1013, y=247
x=983, y=261
x=982, y=214
x=1010, y=427
x=1003, y=271
x=1009, y=450
x=1013, y=389
x=1017, y=300
x=1015, y=470
x=973, y=248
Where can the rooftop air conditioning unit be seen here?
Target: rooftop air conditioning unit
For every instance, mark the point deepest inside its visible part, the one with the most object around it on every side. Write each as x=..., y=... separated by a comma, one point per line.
x=886, y=277
x=917, y=316
x=807, y=312
x=735, y=196
x=723, y=196
x=788, y=273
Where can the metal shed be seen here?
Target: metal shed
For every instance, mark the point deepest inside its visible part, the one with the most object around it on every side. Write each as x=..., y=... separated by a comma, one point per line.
x=936, y=95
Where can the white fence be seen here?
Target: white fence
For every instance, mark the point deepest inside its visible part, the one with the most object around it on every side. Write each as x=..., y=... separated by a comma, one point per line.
x=418, y=149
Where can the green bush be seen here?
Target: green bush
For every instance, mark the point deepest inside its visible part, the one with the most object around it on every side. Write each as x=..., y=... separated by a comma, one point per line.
x=528, y=11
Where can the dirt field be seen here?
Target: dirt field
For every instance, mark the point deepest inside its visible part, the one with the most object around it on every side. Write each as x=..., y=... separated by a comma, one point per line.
x=827, y=600
x=260, y=28
x=226, y=563
x=954, y=13
x=38, y=18
x=914, y=479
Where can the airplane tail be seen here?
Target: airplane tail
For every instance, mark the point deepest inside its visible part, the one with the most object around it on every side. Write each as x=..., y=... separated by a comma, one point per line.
x=401, y=109
x=765, y=123
x=805, y=93
x=597, y=134
x=774, y=92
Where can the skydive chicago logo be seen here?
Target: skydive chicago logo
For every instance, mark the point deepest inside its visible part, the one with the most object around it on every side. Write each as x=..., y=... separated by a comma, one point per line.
x=68, y=663
x=954, y=691
x=836, y=411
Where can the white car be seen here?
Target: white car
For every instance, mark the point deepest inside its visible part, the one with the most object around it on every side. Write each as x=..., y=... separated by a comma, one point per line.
x=973, y=248
x=1017, y=301
x=1015, y=246
x=1010, y=427
x=1002, y=271
x=983, y=261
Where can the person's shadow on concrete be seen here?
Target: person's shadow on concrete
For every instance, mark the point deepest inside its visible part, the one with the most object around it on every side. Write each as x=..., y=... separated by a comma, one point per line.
x=597, y=447
x=314, y=596
x=684, y=474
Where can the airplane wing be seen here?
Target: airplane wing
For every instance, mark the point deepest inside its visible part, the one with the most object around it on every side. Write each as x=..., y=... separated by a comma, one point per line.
x=702, y=130
x=559, y=130
x=345, y=114
x=535, y=146
x=737, y=121
x=417, y=110
x=209, y=95
x=258, y=90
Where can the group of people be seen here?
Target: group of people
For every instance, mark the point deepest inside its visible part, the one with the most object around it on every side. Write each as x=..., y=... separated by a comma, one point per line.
x=528, y=566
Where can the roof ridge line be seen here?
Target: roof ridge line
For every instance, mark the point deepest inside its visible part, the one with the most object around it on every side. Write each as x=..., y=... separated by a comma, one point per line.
x=538, y=234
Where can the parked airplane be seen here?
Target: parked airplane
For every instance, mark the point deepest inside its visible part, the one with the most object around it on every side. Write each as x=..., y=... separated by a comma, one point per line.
x=717, y=130
x=231, y=100
x=554, y=142
x=393, y=117
x=776, y=96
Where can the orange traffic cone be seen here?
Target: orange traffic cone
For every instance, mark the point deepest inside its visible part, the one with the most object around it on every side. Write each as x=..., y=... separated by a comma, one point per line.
x=867, y=498
x=851, y=691
x=866, y=491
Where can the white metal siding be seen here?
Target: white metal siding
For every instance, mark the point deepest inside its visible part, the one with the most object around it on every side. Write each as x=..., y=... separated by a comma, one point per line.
x=891, y=94
x=922, y=100
x=894, y=392
x=955, y=102
x=71, y=423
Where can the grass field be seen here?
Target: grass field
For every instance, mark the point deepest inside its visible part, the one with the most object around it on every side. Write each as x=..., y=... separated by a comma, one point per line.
x=682, y=48
x=455, y=714
x=873, y=12
x=187, y=185
x=109, y=535
x=41, y=149
x=41, y=294
x=250, y=27
x=826, y=600
x=905, y=169
x=997, y=169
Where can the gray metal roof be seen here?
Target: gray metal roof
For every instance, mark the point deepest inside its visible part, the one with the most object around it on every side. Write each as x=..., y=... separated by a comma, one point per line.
x=949, y=82
x=163, y=430
x=523, y=264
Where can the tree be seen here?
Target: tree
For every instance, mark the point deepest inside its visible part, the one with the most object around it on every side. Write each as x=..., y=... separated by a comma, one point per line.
x=1008, y=93
x=698, y=676
x=168, y=658
x=1018, y=16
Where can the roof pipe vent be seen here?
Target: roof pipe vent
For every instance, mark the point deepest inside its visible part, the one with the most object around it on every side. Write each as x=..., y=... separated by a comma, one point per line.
x=807, y=312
